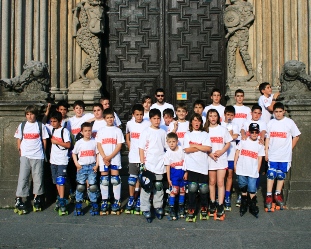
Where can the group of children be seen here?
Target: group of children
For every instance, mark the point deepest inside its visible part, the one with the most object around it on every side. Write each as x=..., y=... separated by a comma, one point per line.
x=198, y=157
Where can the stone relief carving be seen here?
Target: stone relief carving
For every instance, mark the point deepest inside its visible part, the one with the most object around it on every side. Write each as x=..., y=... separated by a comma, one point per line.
x=88, y=25
x=238, y=17
x=32, y=84
x=295, y=82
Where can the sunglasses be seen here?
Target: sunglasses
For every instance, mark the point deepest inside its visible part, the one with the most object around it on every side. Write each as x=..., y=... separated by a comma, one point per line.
x=160, y=95
x=254, y=132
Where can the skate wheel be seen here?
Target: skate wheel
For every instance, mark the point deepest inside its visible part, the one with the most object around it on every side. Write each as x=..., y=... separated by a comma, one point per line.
x=222, y=218
x=15, y=211
x=215, y=216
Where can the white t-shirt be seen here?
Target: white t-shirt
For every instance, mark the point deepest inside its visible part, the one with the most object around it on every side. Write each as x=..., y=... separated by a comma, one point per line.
x=152, y=141
x=247, y=164
x=97, y=125
x=175, y=159
x=219, y=108
x=31, y=145
x=232, y=149
x=164, y=127
x=261, y=123
x=75, y=123
x=59, y=155
x=197, y=161
x=183, y=128
x=117, y=121
x=162, y=108
x=265, y=102
x=219, y=137
x=280, y=133
x=86, y=151
x=146, y=116
x=135, y=129
x=242, y=113
x=204, y=120
x=109, y=137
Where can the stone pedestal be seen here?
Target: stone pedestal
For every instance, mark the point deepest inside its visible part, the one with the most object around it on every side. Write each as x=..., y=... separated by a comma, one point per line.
x=86, y=90
x=11, y=115
x=297, y=187
x=251, y=92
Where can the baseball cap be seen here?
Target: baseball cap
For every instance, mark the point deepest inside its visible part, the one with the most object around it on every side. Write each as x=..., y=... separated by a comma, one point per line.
x=254, y=127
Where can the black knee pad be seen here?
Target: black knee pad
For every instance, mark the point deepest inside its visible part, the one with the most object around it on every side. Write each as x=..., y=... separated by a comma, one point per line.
x=244, y=189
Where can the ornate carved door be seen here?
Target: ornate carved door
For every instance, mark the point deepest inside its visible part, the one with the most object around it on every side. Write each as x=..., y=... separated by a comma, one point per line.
x=175, y=44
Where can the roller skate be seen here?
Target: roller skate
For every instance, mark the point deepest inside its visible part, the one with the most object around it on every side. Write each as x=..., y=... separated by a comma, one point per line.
x=253, y=209
x=78, y=209
x=57, y=204
x=147, y=215
x=203, y=214
x=243, y=206
x=62, y=202
x=130, y=205
x=137, y=207
x=181, y=210
x=212, y=209
x=268, y=204
x=95, y=209
x=20, y=207
x=279, y=203
x=86, y=198
x=37, y=204
x=220, y=214
x=159, y=213
x=72, y=196
x=172, y=215
x=115, y=207
x=227, y=204
x=104, y=208
x=191, y=216
x=238, y=201
x=167, y=205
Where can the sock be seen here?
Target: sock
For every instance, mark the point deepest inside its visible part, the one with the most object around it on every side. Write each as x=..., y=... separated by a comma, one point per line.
x=269, y=193
x=171, y=200
x=104, y=191
x=277, y=192
x=136, y=193
x=227, y=194
x=181, y=199
x=117, y=191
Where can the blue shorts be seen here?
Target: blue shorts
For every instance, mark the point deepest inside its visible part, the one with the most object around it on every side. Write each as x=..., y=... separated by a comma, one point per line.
x=282, y=166
x=58, y=170
x=177, y=177
x=107, y=168
x=248, y=181
x=231, y=165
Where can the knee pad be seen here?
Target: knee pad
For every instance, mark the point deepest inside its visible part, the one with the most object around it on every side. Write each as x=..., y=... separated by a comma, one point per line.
x=280, y=175
x=244, y=189
x=93, y=188
x=192, y=187
x=115, y=180
x=104, y=180
x=174, y=190
x=132, y=180
x=80, y=187
x=60, y=180
x=203, y=188
x=158, y=185
x=271, y=174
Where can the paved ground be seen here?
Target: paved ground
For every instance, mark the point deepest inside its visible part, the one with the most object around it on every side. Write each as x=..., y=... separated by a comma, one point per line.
x=281, y=229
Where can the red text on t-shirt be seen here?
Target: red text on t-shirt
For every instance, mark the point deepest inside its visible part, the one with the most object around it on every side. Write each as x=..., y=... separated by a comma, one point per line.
x=180, y=163
x=31, y=135
x=249, y=153
x=135, y=135
x=278, y=134
x=75, y=131
x=217, y=140
x=85, y=153
x=109, y=141
x=240, y=115
x=180, y=134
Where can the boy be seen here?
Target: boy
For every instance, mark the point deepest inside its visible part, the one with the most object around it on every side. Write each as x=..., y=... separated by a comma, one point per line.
x=168, y=117
x=62, y=107
x=181, y=126
x=84, y=155
x=282, y=137
x=151, y=152
x=216, y=97
x=247, y=164
x=134, y=128
x=234, y=132
x=60, y=139
x=198, y=107
x=242, y=112
x=266, y=101
x=146, y=102
x=31, y=143
x=174, y=162
x=109, y=143
x=106, y=104
x=256, y=114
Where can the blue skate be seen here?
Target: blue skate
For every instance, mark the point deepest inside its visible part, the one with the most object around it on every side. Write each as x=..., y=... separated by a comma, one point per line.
x=116, y=208
x=104, y=208
x=159, y=213
x=227, y=204
x=94, y=209
x=129, y=205
x=147, y=215
x=62, y=202
x=137, y=207
x=172, y=214
x=72, y=196
x=181, y=210
x=78, y=209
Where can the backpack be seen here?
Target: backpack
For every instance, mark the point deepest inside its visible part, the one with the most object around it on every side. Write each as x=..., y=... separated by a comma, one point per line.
x=62, y=135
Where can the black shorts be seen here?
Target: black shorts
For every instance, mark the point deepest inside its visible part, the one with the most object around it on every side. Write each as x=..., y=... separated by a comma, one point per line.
x=197, y=177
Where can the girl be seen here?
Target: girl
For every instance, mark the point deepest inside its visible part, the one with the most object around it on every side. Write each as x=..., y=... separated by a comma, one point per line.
x=217, y=161
x=98, y=121
x=146, y=102
x=196, y=145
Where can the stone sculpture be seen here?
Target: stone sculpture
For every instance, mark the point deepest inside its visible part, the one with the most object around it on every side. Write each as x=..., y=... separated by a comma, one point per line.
x=238, y=17
x=88, y=25
x=295, y=82
x=33, y=84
